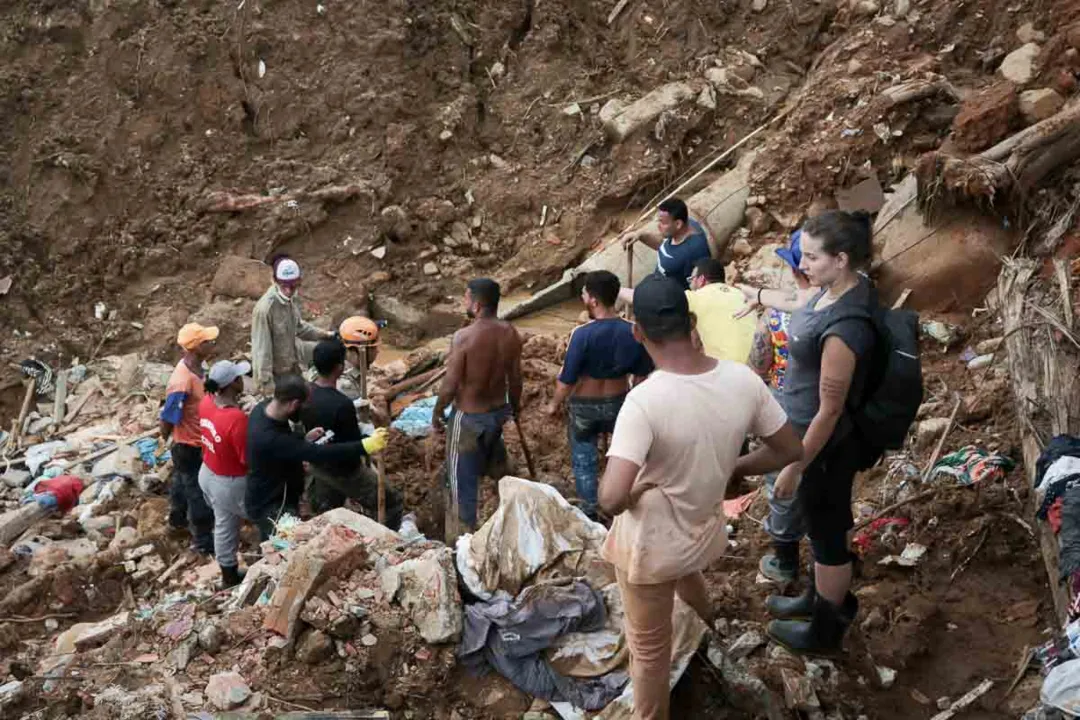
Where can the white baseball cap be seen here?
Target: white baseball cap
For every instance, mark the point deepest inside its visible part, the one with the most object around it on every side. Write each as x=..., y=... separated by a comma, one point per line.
x=287, y=270
x=225, y=372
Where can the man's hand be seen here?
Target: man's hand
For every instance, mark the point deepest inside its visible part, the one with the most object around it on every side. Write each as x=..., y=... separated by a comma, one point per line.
x=377, y=442
x=628, y=238
x=315, y=434
x=553, y=409
x=787, y=482
x=437, y=423
x=639, y=489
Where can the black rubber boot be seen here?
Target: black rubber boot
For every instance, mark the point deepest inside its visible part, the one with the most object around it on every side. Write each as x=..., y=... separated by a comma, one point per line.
x=231, y=576
x=823, y=634
x=801, y=607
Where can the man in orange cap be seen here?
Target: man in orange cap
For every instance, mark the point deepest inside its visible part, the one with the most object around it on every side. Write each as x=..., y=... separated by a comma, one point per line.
x=180, y=421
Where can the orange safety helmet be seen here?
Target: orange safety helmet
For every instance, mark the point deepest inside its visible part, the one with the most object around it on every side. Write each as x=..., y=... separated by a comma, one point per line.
x=359, y=331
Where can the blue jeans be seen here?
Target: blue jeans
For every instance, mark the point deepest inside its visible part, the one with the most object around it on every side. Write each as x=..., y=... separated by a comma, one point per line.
x=785, y=522
x=587, y=419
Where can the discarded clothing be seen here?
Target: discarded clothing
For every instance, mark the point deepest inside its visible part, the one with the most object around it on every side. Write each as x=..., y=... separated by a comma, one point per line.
x=1059, y=487
x=1069, y=537
x=1058, y=447
x=970, y=465
x=1061, y=689
x=511, y=636
x=1063, y=467
x=65, y=489
x=147, y=448
x=415, y=420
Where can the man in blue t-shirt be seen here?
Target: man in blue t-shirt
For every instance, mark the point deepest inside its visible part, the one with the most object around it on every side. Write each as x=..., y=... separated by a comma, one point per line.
x=601, y=360
x=680, y=243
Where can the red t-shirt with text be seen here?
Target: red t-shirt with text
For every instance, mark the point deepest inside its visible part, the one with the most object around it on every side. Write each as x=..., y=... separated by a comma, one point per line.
x=224, y=438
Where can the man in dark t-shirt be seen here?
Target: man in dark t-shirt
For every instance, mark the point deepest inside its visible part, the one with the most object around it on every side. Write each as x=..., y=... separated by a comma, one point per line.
x=680, y=243
x=327, y=407
x=601, y=359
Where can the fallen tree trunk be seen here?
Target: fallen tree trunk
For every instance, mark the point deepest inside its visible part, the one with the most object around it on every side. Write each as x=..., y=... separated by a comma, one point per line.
x=1045, y=376
x=1010, y=169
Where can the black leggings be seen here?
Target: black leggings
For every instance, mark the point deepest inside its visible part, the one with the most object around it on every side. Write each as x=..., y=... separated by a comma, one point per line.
x=825, y=496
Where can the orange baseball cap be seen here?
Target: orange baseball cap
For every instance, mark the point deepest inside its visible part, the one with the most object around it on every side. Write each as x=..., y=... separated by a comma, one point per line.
x=193, y=335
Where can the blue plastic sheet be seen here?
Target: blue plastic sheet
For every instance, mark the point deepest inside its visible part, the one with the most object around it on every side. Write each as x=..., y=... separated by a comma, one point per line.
x=415, y=420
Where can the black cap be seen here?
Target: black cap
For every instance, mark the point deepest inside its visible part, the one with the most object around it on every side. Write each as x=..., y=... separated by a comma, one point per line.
x=661, y=307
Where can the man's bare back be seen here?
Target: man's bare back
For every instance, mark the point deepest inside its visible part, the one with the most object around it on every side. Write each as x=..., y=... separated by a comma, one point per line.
x=484, y=367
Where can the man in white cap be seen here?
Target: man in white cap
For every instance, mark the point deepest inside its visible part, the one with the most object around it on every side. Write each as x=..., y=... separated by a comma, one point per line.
x=276, y=327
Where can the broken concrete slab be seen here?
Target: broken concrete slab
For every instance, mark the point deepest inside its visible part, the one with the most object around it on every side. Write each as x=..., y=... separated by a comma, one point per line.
x=334, y=549
x=240, y=277
x=1036, y=105
x=427, y=588
x=643, y=111
x=86, y=635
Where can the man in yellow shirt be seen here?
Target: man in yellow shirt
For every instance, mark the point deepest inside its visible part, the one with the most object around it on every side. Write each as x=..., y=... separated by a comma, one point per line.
x=722, y=336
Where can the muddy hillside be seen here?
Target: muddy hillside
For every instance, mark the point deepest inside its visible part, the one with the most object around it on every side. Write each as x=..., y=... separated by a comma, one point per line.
x=155, y=155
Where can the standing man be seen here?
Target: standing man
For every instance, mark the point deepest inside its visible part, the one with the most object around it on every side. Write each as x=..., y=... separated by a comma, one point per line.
x=180, y=421
x=276, y=455
x=681, y=241
x=675, y=446
x=601, y=360
x=769, y=359
x=483, y=382
x=333, y=482
x=277, y=326
x=714, y=305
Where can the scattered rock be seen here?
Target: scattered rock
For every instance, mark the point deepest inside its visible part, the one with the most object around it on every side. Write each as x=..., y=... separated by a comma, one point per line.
x=742, y=248
x=86, y=635
x=240, y=277
x=988, y=346
x=928, y=431
x=759, y=5
x=1019, y=65
x=758, y=221
x=15, y=478
x=394, y=222
x=498, y=69
x=902, y=8
x=944, y=703
x=431, y=269
x=314, y=647
x=866, y=8
x=874, y=620
x=643, y=112
x=1036, y=105
x=211, y=638
x=799, y=692
x=707, y=98
x=426, y=588
x=887, y=676
x=227, y=690
x=1028, y=34
x=745, y=644
x=572, y=109
x=369, y=640
x=497, y=162
x=379, y=253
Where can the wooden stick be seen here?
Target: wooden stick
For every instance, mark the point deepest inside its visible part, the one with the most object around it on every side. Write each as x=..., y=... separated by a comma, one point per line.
x=74, y=411
x=617, y=9
x=1021, y=668
x=941, y=441
x=888, y=509
x=416, y=380
x=525, y=450
x=60, y=401
x=974, y=694
x=30, y=388
x=380, y=468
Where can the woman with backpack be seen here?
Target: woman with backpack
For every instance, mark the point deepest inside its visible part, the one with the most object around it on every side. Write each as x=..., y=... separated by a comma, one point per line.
x=831, y=339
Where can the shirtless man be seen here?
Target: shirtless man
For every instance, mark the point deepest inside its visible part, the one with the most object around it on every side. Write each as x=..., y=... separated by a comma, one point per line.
x=483, y=382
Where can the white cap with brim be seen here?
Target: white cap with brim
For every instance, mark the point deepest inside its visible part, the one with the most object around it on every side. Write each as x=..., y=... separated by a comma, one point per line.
x=225, y=372
x=287, y=271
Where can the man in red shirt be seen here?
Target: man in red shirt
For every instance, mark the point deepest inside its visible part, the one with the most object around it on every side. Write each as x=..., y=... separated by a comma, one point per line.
x=223, y=476
x=180, y=421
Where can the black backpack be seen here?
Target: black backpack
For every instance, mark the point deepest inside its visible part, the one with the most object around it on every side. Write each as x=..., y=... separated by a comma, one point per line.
x=894, y=387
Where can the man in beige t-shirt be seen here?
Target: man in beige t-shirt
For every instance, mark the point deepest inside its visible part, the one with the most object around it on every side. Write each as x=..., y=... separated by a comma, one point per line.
x=676, y=444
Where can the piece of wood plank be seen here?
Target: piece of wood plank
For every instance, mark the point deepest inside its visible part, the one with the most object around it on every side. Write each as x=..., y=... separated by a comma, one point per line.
x=81, y=403
x=615, y=12
x=970, y=697
x=60, y=399
x=31, y=386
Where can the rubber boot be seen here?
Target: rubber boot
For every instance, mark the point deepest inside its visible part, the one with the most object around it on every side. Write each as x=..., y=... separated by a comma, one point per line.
x=231, y=576
x=823, y=634
x=782, y=565
x=800, y=607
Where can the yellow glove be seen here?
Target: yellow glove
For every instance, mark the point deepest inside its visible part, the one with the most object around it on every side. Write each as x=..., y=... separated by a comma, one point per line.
x=377, y=442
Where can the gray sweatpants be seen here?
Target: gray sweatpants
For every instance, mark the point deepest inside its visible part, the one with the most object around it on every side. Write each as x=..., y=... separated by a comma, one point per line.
x=226, y=496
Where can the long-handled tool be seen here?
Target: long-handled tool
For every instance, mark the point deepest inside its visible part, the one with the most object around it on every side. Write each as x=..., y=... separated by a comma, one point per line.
x=380, y=467
x=525, y=450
